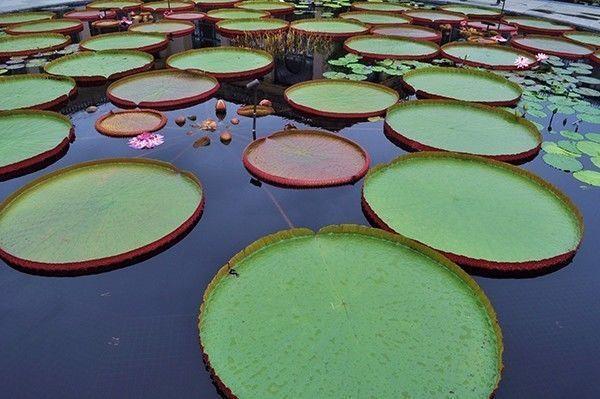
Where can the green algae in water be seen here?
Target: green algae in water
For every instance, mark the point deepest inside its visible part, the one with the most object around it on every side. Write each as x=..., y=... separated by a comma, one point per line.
x=319, y=314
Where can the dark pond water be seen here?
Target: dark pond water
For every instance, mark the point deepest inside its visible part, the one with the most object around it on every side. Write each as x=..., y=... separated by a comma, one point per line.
x=132, y=332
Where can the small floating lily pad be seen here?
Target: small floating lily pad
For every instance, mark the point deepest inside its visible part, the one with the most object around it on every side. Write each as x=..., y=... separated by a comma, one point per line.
x=459, y=126
x=376, y=18
x=225, y=63
x=587, y=38
x=129, y=123
x=436, y=17
x=306, y=158
x=234, y=13
x=414, y=32
x=390, y=47
x=563, y=162
x=164, y=5
x=25, y=45
x=24, y=17
x=462, y=84
x=590, y=177
x=323, y=289
x=83, y=215
x=380, y=6
x=162, y=89
x=252, y=26
x=558, y=46
x=472, y=11
x=99, y=66
x=590, y=148
x=29, y=138
x=38, y=91
x=341, y=98
x=536, y=25
x=125, y=5
x=485, y=214
x=148, y=42
x=331, y=27
x=62, y=26
x=168, y=27
x=486, y=55
x=272, y=7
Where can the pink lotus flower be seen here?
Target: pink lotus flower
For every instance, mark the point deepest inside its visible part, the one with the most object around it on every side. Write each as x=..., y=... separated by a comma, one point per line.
x=146, y=140
x=498, y=39
x=522, y=62
x=463, y=23
x=125, y=22
x=541, y=57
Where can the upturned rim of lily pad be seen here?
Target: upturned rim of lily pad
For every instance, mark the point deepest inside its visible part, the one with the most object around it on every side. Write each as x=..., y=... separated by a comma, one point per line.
x=394, y=7
x=135, y=5
x=477, y=11
x=187, y=28
x=571, y=35
x=595, y=56
x=294, y=25
x=279, y=25
x=525, y=28
x=226, y=76
x=111, y=262
x=210, y=5
x=190, y=16
x=435, y=37
x=24, y=166
x=101, y=127
x=486, y=266
x=50, y=104
x=511, y=66
x=66, y=40
x=398, y=138
x=480, y=24
x=76, y=26
x=44, y=15
x=304, y=183
x=161, y=44
x=153, y=6
x=353, y=14
x=90, y=15
x=99, y=79
x=489, y=75
x=456, y=19
x=283, y=7
x=211, y=16
x=433, y=47
x=570, y=56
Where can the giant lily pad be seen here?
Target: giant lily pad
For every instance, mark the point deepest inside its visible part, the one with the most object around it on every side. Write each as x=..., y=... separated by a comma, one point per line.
x=341, y=98
x=25, y=45
x=252, y=26
x=486, y=55
x=414, y=32
x=435, y=17
x=168, y=27
x=131, y=122
x=165, y=5
x=24, y=16
x=29, y=138
x=162, y=89
x=234, y=13
x=380, y=6
x=472, y=11
x=320, y=308
x=148, y=42
x=98, y=215
x=211, y=4
x=306, y=158
x=63, y=26
x=559, y=46
x=537, y=25
x=124, y=5
x=38, y=91
x=587, y=38
x=462, y=84
x=90, y=15
x=492, y=26
x=226, y=63
x=191, y=16
x=338, y=28
x=465, y=127
x=272, y=7
x=391, y=47
x=98, y=66
x=376, y=18
x=481, y=213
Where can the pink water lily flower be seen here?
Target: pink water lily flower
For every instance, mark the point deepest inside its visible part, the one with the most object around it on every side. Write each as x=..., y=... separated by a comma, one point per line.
x=522, y=62
x=125, y=22
x=167, y=13
x=541, y=57
x=463, y=22
x=146, y=140
x=498, y=39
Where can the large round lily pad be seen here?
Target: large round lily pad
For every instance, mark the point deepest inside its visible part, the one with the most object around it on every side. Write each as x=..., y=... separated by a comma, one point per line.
x=586, y=38
x=29, y=138
x=414, y=32
x=164, y=5
x=63, y=26
x=38, y=91
x=130, y=122
x=462, y=84
x=211, y=4
x=148, y=42
x=486, y=55
x=90, y=15
x=124, y=5
x=536, y=25
x=98, y=215
x=481, y=213
x=341, y=98
x=306, y=158
x=168, y=27
x=472, y=11
x=338, y=28
x=391, y=47
x=98, y=66
x=272, y=7
x=435, y=17
x=492, y=26
x=25, y=45
x=459, y=126
x=224, y=63
x=380, y=6
x=251, y=26
x=162, y=89
x=191, y=16
x=220, y=14
x=552, y=45
x=376, y=18
x=319, y=313
x=24, y=16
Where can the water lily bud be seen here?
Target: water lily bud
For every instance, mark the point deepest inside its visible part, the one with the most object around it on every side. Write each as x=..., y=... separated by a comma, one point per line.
x=225, y=137
x=220, y=106
x=180, y=120
x=265, y=103
x=235, y=121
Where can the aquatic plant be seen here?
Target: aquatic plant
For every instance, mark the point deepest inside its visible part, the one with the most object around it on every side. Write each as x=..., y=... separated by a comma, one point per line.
x=146, y=140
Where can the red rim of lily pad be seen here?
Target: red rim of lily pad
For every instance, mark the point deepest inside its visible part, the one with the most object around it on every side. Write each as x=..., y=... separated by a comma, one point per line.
x=191, y=16
x=98, y=5
x=212, y=15
x=153, y=6
x=446, y=17
x=524, y=28
x=152, y=48
x=285, y=8
x=475, y=46
x=103, y=124
x=595, y=57
x=225, y=31
x=186, y=28
x=482, y=265
x=280, y=180
x=210, y=5
x=392, y=7
x=66, y=40
x=52, y=104
x=226, y=76
x=30, y=164
x=402, y=19
x=432, y=35
x=77, y=26
x=516, y=42
x=403, y=141
x=90, y=15
x=110, y=262
x=37, y=16
x=334, y=35
x=106, y=24
x=476, y=12
x=330, y=114
x=181, y=102
x=432, y=47
x=497, y=26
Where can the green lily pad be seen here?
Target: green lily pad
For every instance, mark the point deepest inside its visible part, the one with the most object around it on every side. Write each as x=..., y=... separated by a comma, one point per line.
x=590, y=148
x=595, y=119
x=380, y=6
x=24, y=17
x=590, y=177
x=39, y=91
x=435, y=16
x=593, y=137
x=562, y=162
x=171, y=28
x=130, y=40
x=570, y=134
x=552, y=148
x=114, y=4
x=587, y=38
x=485, y=55
x=551, y=45
x=586, y=91
x=62, y=26
x=536, y=25
x=375, y=18
x=570, y=146
x=331, y=27
x=252, y=26
x=472, y=11
x=390, y=47
x=537, y=113
x=273, y=7
x=25, y=45
x=234, y=13
x=595, y=161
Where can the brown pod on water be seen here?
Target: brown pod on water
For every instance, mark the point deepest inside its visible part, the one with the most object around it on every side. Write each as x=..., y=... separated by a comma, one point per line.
x=225, y=137
x=180, y=120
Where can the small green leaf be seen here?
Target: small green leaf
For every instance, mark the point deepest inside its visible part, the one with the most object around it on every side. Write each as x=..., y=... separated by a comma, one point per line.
x=590, y=177
x=570, y=134
x=562, y=162
x=590, y=148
